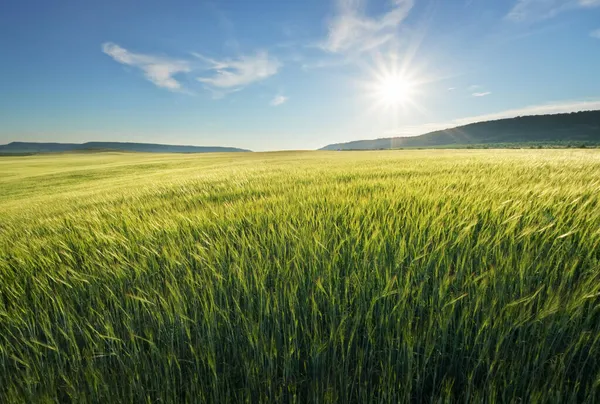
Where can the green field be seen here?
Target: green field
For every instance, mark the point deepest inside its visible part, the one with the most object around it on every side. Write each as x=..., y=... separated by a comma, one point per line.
x=387, y=277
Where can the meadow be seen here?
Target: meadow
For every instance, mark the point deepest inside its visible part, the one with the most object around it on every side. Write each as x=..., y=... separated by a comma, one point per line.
x=422, y=276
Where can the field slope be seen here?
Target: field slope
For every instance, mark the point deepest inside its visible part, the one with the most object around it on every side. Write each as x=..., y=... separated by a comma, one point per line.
x=407, y=276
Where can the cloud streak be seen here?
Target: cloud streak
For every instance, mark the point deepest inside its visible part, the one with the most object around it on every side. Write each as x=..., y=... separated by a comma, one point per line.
x=482, y=94
x=278, y=100
x=157, y=69
x=231, y=74
x=554, y=108
x=225, y=76
x=351, y=31
x=527, y=10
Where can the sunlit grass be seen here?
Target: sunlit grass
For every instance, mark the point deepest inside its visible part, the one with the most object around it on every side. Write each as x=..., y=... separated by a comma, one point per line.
x=424, y=276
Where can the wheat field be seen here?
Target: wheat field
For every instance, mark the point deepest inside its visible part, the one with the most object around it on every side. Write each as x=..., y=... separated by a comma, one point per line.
x=423, y=276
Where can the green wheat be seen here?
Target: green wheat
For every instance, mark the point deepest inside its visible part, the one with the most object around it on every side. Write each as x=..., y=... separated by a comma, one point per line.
x=329, y=277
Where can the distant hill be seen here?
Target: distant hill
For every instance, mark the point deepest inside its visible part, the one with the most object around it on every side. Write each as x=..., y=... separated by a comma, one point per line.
x=29, y=148
x=571, y=128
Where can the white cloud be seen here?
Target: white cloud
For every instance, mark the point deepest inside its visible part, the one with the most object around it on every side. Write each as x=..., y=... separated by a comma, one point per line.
x=159, y=70
x=451, y=88
x=278, y=100
x=525, y=10
x=553, y=108
x=595, y=34
x=320, y=64
x=352, y=31
x=482, y=94
x=236, y=73
x=473, y=87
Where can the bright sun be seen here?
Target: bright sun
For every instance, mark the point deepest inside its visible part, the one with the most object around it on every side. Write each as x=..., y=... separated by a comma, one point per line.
x=393, y=90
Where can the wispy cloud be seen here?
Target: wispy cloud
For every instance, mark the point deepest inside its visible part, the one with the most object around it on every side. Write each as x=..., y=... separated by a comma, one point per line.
x=595, y=34
x=553, y=108
x=228, y=75
x=231, y=74
x=325, y=63
x=527, y=10
x=451, y=88
x=157, y=69
x=352, y=31
x=473, y=87
x=482, y=94
x=278, y=100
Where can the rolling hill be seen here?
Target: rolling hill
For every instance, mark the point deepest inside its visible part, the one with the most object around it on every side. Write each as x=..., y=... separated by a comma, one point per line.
x=30, y=147
x=576, y=128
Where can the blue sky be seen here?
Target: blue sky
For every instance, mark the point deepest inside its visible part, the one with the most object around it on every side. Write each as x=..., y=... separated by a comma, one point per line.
x=295, y=74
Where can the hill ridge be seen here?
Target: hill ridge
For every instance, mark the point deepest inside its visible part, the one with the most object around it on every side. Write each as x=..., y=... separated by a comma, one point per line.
x=56, y=147
x=583, y=126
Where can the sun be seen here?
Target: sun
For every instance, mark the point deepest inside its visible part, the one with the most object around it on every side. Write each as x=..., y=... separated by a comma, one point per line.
x=393, y=90
x=393, y=87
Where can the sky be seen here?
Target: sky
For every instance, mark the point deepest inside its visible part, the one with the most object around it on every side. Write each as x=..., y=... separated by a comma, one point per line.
x=287, y=74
